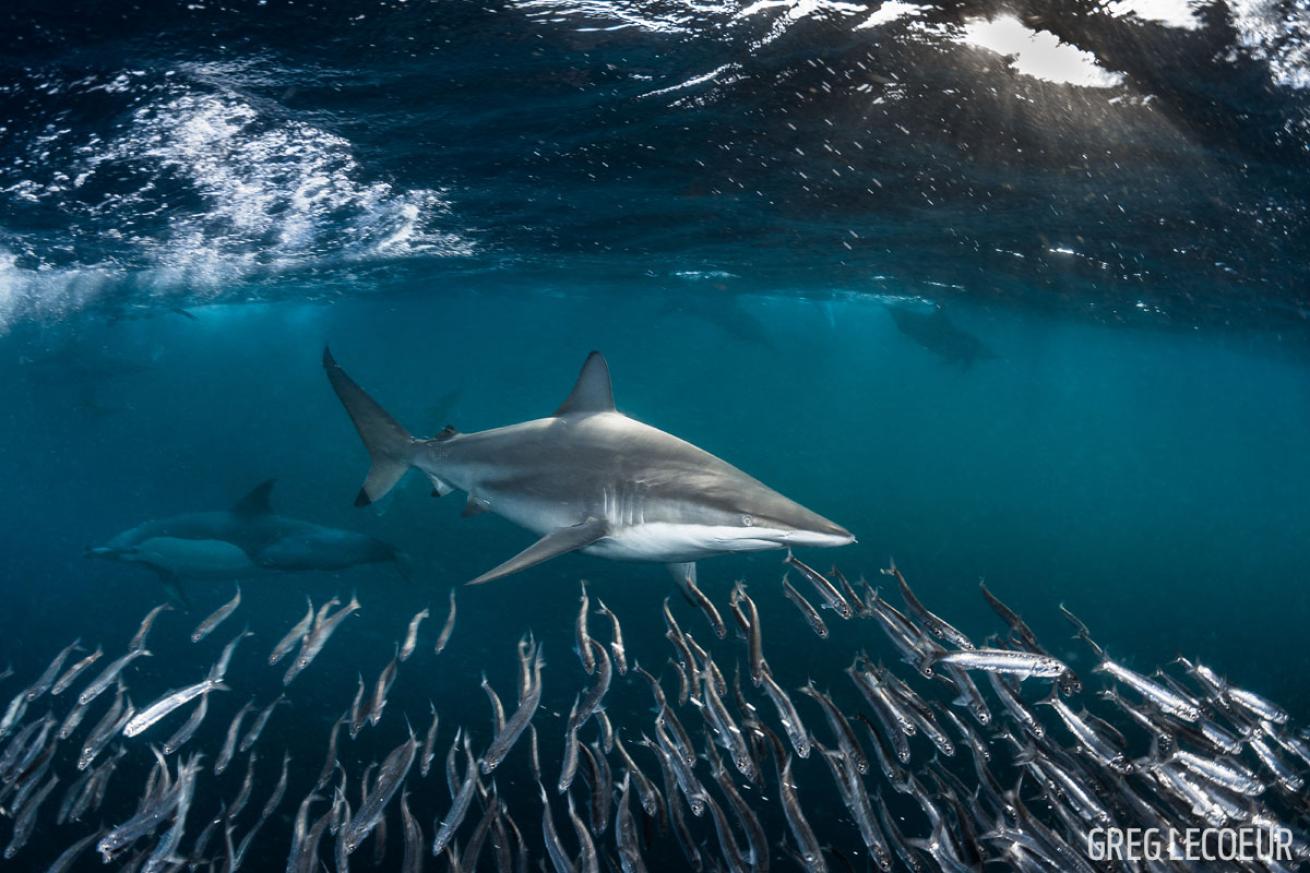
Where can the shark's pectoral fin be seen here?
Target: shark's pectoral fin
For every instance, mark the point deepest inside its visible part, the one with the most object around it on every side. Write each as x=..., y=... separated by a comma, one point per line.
x=552, y=545
x=683, y=572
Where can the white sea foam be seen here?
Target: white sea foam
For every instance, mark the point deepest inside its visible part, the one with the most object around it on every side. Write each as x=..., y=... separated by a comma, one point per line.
x=1279, y=35
x=241, y=195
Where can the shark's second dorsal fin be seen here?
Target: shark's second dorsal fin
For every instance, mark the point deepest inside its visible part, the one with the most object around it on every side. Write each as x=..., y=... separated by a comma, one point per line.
x=593, y=391
x=256, y=502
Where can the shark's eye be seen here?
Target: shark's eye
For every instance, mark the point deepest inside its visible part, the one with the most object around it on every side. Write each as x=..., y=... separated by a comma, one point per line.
x=748, y=520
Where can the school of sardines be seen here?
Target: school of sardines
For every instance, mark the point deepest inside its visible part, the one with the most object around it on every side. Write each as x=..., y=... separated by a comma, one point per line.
x=920, y=762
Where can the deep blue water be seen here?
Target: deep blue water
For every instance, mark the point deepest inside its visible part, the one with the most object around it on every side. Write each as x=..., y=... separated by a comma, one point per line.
x=463, y=200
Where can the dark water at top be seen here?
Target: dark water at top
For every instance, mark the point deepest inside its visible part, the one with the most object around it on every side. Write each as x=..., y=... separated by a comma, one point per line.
x=734, y=202
x=1140, y=160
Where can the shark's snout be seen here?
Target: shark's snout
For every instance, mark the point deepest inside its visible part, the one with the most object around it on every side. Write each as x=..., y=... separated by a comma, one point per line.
x=827, y=536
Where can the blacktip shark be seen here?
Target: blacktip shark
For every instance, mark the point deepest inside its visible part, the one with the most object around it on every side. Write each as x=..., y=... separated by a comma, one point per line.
x=588, y=479
x=248, y=539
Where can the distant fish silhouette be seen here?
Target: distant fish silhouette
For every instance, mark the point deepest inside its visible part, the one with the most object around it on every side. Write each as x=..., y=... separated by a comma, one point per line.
x=91, y=404
x=115, y=314
x=84, y=370
x=723, y=311
x=935, y=331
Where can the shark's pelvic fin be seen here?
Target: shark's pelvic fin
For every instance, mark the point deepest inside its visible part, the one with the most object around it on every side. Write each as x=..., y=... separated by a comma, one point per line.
x=552, y=545
x=593, y=391
x=257, y=501
x=473, y=507
x=683, y=572
x=389, y=445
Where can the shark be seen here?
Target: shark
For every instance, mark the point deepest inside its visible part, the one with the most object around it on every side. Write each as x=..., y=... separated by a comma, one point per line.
x=588, y=479
x=934, y=331
x=247, y=539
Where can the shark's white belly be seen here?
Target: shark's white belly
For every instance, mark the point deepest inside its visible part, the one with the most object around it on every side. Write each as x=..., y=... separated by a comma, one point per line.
x=671, y=543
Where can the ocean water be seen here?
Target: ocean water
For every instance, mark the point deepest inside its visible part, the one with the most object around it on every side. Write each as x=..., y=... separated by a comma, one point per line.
x=1014, y=294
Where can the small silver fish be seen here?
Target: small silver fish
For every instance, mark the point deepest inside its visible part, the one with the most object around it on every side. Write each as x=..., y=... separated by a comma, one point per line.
x=257, y=726
x=807, y=609
x=170, y=702
x=381, y=689
x=230, y=744
x=1007, y=661
x=139, y=640
x=47, y=678
x=217, y=617
x=293, y=636
x=443, y=639
x=108, y=675
x=429, y=743
x=832, y=598
x=581, y=638
x=411, y=635
x=616, y=638
x=73, y=672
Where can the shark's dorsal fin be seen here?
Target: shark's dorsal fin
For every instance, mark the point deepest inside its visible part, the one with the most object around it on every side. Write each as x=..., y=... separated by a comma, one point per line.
x=256, y=502
x=593, y=391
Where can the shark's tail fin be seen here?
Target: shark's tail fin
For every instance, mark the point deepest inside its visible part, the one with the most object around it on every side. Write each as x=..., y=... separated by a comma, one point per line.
x=389, y=445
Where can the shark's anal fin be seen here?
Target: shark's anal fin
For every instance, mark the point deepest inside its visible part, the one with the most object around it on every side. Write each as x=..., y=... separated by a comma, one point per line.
x=257, y=501
x=683, y=572
x=558, y=542
x=593, y=391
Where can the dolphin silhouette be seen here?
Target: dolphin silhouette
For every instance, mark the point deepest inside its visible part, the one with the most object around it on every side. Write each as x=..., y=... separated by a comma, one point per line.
x=248, y=539
x=589, y=479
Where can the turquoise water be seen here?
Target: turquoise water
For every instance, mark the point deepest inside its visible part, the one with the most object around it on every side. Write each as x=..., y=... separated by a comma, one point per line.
x=1153, y=478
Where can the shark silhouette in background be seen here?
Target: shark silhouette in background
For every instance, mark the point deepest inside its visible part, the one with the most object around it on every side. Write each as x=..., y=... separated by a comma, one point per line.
x=933, y=330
